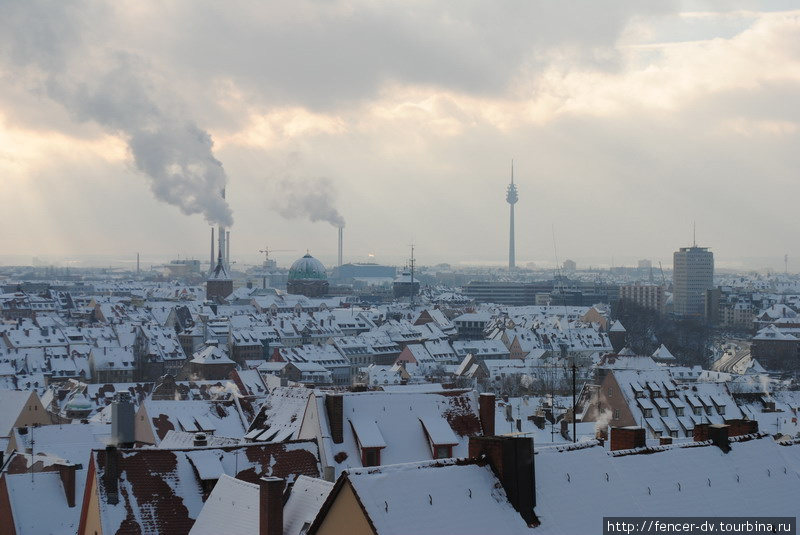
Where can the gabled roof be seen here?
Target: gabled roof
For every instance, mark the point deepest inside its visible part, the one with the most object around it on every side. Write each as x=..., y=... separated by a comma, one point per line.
x=430, y=497
x=160, y=491
x=397, y=418
x=221, y=417
x=233, y=507
x=13, y=403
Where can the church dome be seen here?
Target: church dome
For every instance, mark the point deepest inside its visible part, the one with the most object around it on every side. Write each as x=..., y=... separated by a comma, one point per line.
x=307, y=268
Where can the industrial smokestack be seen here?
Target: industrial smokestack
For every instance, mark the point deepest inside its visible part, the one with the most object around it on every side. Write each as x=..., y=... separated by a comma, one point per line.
x=221, y=235
x=228, y=249
x=211, y=261
x=340, y=245
x=137, y=263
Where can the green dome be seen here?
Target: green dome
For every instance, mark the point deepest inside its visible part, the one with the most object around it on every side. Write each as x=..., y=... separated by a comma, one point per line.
x=307, y=268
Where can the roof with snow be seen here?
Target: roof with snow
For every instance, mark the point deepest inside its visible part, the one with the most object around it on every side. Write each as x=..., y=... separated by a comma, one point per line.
x=662, y=354
x=757, y=477
x=432, y=497
x=402, y=424
x=161, y=491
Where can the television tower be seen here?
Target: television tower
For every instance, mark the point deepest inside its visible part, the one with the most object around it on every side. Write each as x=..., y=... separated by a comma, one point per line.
x=511, y=199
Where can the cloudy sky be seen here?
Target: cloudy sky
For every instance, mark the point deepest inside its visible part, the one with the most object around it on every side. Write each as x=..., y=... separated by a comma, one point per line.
x=627, y=122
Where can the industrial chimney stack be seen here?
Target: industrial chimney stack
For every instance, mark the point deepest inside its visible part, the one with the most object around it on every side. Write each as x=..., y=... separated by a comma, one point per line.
x=340, y=245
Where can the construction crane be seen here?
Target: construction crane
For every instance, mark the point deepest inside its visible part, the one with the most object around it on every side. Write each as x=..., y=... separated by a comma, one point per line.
x=266, y=250
x=663, y=278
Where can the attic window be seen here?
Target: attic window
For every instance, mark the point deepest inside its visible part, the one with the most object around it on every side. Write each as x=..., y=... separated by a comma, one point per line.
x=370, y=456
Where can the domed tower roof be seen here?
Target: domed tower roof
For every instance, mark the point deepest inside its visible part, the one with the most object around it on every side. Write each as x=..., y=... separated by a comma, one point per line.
x=307, y=268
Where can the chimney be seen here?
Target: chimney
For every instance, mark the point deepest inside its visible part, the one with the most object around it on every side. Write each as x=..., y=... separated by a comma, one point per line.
x=718, y=434
x=511, y=458
x=67, y=473
x=334, y=406
x=111, y=475
x=211, y=262
x=329, y=474
x=486, y=413
x=270, y=506
x=200, y=440
x=122, y=420
x=664, y=441
x=340, y=247
x=627, y=438
x=227, y=249
x=700, y=432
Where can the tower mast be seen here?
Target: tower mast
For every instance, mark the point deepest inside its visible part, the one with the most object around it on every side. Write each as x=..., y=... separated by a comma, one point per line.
x=511, y=199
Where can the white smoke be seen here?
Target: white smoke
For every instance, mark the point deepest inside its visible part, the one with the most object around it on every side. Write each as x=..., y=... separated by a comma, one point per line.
x=123, y=93
x=308, y=197
x=601, y=424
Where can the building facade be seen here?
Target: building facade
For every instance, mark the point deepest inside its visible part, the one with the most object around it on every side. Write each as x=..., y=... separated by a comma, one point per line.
x=693, y=274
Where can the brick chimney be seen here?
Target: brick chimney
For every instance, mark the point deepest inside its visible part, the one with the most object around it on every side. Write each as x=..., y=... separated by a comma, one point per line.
x=486, y=413
x=700, y=432
x=334, y=406
x=718, y=434
x=111, y=475
x=627, y=438
x=67, y=473
x=270, y=506
x=511, y=459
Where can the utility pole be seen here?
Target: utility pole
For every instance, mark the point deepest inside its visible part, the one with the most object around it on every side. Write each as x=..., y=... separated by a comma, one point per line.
x=412, y=277
x=574, y=416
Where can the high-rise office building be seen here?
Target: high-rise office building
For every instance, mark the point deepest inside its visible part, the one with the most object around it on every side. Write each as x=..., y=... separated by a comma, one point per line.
x=692, y=275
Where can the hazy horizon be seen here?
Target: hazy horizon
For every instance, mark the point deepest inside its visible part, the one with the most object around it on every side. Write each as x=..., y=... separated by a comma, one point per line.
x=628, y=122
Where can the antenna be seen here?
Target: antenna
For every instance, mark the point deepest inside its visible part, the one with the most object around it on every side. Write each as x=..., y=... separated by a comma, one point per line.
x=694, y=233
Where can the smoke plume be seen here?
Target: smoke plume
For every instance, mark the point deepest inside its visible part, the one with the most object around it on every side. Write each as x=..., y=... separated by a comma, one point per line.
x=308, y=197
x=123, y=93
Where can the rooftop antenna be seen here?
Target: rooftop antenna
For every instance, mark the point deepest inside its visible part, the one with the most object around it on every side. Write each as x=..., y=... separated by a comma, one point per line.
x=786, y=264
x=694, y=233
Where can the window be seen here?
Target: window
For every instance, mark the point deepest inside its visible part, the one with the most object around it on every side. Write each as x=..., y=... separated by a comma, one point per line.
x=696, y=411
x=442, y=452
x=679, y=411
x=371, y=457
x=610, y=391
x=616, y=414
x=662, y=412
x=648, y=413
x=721, y=409
x=673, y=434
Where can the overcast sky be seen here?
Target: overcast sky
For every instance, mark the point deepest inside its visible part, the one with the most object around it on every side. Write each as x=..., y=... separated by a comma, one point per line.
x=627, y=122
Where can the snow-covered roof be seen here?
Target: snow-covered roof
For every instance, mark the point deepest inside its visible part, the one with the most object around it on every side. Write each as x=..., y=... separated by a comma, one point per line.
x=397, y=418
x=219, y=417
x=435, y=497
x=756, y=476
x=662, y=354
x=160, y=492
x=233, y=507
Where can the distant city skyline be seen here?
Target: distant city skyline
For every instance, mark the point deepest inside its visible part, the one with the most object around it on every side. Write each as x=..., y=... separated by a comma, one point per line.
x=119, y=125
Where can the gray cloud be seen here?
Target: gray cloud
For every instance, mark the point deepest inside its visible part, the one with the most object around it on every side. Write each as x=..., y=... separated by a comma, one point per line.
x=117, y=91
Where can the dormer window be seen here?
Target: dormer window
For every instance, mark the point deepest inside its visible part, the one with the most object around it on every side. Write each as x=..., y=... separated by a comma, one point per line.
x=370, y=456
x=648, y=413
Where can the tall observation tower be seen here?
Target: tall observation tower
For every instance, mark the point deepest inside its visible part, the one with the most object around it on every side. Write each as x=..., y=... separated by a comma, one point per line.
x=511, y=199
